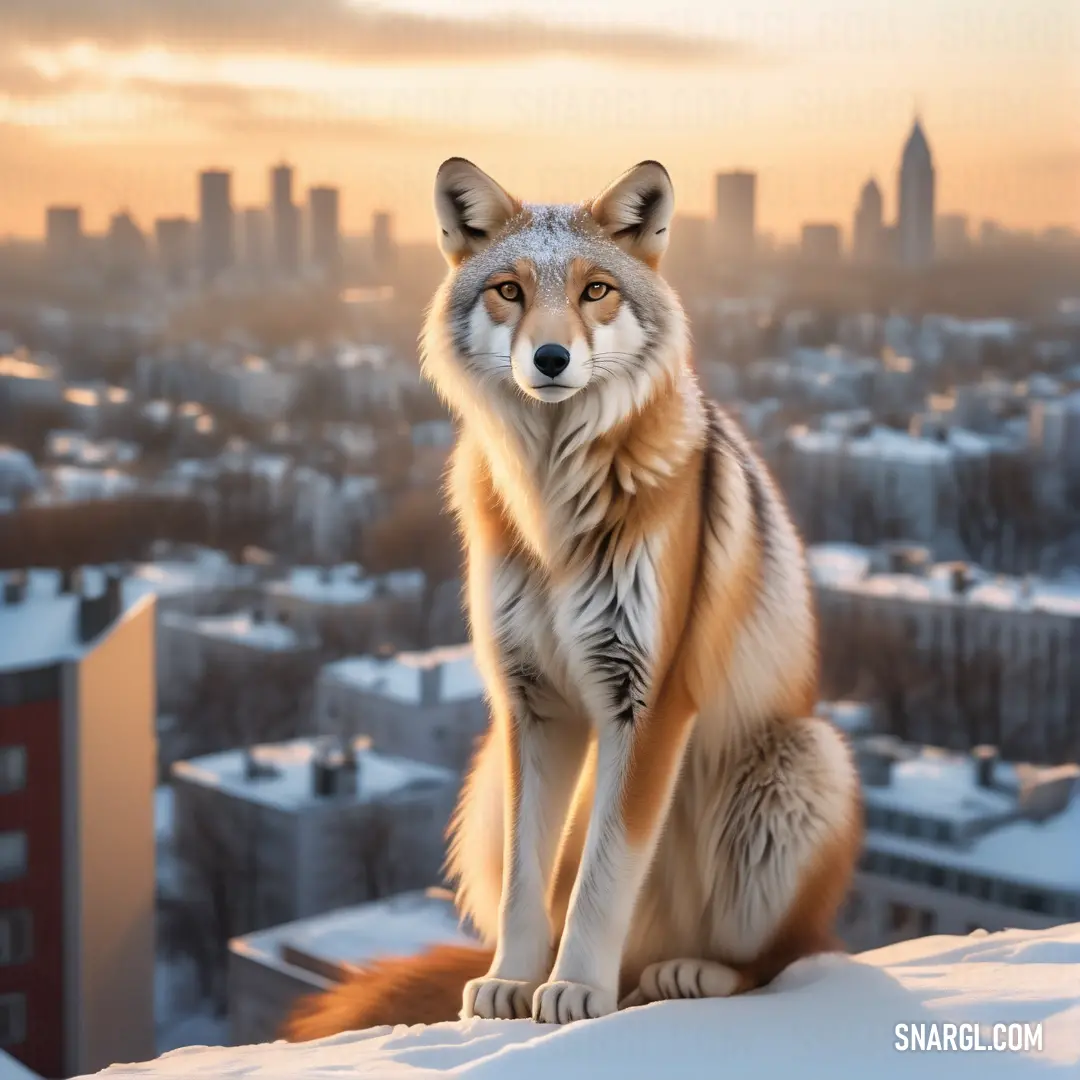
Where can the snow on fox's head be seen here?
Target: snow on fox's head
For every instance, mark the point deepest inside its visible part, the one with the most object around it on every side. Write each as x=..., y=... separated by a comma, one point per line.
x=552, y=301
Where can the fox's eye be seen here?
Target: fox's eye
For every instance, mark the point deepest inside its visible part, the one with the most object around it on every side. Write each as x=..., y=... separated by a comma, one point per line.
x=597, y=290
x=510, y=290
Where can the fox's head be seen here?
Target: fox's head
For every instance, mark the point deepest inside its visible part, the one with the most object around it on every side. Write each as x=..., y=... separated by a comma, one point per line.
x=547, y=303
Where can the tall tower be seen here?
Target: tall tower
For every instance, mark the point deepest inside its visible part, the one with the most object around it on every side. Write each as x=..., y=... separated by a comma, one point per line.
x=867, y=234
x=286, y=218
x=324, y=203
x=63, y=234
x=736, y=209
x=215, y=223
x=915, y=222
x=383, y=251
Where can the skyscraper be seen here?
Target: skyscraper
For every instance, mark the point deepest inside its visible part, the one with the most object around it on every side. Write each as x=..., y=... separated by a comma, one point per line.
x=216, y=245
x=915, y=221
x=324, y=206
x=736, y=198
x=286, y=218
x=63, y=233
x=867, y=235
x=382, y=242
x=172, y=242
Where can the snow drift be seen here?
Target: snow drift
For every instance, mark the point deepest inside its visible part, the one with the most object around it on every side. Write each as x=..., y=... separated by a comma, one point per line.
x=831, y=1017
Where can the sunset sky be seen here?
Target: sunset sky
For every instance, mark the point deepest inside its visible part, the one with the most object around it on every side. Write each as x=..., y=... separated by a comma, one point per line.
x=117, y=103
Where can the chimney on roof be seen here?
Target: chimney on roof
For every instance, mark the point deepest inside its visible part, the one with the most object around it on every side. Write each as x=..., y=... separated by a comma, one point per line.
x=985, y=759
x=335, y=770
x=430, y=684
x=15, y=587
x=959, y=578
x=98, y=613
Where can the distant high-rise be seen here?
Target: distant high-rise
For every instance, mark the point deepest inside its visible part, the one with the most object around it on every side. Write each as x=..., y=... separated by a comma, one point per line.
x=324, y=212
x=383, y=252
x=125, y=244
x=736, y=210
x=173, y=246
x=867, y=234
x=821, y=242
x=286, y=219
x=255, y=239
x=216, y=245
x=915, y=221
x=951, y=235
x=63, y=233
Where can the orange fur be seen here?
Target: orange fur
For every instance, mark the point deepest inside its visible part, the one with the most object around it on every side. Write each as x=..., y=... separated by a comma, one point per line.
x=422, y=989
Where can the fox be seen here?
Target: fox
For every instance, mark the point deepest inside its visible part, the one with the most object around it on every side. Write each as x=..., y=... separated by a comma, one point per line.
x=655, y=812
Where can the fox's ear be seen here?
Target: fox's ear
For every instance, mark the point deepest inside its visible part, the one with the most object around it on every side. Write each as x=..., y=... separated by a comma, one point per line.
x=636, y=210
x=470, y=207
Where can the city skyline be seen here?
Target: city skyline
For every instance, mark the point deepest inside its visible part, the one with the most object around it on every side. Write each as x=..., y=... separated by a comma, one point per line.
x=813, y=97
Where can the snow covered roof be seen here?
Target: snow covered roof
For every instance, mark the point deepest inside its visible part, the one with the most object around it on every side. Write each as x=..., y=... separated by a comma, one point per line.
x=344, y=584
x=942, y=786
x=241, y=627
x=401, y=925
x=892, y=445
x=826, y=1017
x=402, y=677
x=43, y=627
x=849, y=567
x=289, y=787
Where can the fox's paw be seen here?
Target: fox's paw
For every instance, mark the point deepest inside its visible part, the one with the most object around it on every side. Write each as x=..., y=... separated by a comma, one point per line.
x=497, y=999
x=565, y=1002
x=674, y=979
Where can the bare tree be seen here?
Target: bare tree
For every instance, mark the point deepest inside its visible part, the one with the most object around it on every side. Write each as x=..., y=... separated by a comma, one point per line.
x=218, y=898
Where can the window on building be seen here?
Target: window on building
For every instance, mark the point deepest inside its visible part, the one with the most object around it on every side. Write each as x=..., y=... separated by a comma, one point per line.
x=927, y=922
x=897, y=917
x=12, y=855
x=942, y=832
x=935, y=876
x=12, y=769
x=12, y=1019
x=1032, y=900
x=16, y=928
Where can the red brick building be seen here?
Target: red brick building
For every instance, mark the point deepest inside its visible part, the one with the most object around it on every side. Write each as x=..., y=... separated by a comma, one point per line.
x=76, y=824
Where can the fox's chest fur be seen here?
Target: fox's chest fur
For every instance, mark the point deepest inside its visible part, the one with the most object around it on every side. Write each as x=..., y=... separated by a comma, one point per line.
x=583, y=548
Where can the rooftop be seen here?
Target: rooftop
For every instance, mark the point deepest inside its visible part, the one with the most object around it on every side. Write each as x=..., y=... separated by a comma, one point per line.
x=288, y=786
x=893, y=445
x=43, y=627
x=825, y=1017
x=939, y=785
x=241, y=627
x=344, y=584
x=401, y=925
x=402, y=677
x=851, y=568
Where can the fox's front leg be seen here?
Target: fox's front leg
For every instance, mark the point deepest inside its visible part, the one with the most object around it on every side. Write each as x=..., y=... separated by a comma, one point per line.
x=639, y=757
x=544, y=751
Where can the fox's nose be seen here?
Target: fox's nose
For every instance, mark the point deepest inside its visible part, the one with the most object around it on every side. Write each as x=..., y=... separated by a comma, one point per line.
x=550, y=359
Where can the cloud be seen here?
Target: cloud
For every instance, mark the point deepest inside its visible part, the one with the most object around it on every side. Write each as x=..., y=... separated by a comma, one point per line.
x=339, y=30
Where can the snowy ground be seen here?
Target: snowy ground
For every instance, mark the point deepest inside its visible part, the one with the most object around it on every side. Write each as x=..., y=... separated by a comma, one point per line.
x=831, y=1017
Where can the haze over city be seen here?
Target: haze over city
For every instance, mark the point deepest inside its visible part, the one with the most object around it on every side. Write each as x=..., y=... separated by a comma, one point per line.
x=118, y=105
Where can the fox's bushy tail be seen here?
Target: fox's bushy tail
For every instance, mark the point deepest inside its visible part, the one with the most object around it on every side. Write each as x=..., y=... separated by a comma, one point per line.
x=422, y=989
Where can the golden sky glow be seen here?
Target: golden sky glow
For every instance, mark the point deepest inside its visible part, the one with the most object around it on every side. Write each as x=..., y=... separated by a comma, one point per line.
x=117, y=103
